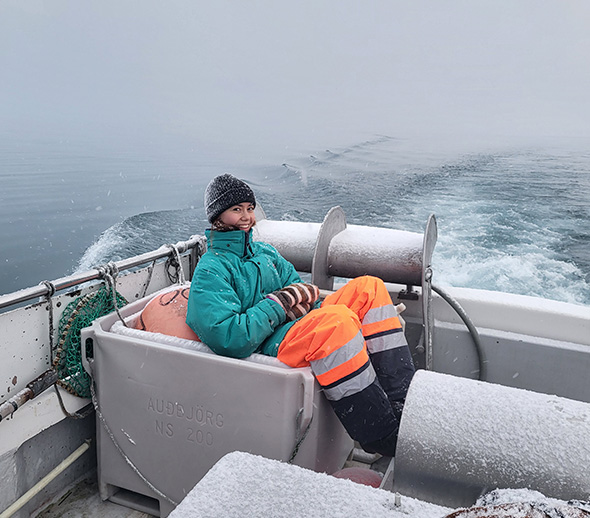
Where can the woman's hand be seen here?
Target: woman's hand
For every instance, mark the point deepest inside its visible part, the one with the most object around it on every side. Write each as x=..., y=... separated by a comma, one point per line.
x=296, y=299
x=298, y=311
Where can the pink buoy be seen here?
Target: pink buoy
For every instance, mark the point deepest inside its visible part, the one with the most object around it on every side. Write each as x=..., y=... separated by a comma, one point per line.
x=363, y=476
x=166, y=314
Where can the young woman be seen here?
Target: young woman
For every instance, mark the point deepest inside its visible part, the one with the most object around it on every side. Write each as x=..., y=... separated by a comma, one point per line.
x=245, y=298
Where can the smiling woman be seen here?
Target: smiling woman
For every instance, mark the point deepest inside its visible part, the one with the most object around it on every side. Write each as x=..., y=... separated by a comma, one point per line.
x=238, y=217
x=230, y=204
x=246, y=298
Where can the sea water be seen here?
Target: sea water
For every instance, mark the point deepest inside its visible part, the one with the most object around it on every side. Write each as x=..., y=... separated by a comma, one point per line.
x=511, y=216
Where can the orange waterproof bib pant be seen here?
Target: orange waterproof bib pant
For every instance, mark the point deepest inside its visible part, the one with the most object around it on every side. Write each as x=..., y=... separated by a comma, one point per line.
x=357, y=351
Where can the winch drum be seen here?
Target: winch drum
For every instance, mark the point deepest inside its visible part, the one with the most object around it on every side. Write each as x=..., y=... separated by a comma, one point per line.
x=461, y=438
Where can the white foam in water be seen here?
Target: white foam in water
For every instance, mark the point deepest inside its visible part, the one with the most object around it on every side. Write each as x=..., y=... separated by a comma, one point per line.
x=511, y=219
x=507, y=219
x=105, y=246
x=504, y=222
x=460, y=263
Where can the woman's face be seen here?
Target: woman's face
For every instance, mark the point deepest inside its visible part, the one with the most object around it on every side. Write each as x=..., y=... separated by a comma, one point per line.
x=240, y=217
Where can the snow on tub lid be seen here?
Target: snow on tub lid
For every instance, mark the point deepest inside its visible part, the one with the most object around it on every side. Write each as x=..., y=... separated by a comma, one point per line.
x=242, y=484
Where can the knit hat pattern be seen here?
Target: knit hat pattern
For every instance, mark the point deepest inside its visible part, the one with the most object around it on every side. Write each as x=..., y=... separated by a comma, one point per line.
x=223, y=192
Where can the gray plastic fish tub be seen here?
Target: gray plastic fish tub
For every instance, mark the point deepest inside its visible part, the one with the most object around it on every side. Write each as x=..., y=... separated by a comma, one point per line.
x=169, y=409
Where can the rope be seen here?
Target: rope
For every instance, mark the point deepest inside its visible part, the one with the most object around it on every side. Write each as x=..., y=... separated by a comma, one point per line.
x=299, y=438
x=149, y=279
x=175, y=262
x=85, y=412
x=120, y=450
x=109, y=273
x=50, y=288
x=48, y=296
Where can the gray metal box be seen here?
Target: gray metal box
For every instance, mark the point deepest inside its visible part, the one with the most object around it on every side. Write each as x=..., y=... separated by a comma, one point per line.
x=168, y=414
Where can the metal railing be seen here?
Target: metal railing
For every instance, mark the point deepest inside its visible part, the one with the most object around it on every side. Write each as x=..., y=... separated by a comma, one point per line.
x=45, y=288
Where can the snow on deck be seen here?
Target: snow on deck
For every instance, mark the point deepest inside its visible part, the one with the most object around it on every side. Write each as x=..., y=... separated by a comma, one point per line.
x=241, y=484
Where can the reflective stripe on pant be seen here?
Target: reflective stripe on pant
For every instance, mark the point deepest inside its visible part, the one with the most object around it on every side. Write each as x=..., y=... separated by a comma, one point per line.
x=329, y=339
x=368, y=297
x=333, y=340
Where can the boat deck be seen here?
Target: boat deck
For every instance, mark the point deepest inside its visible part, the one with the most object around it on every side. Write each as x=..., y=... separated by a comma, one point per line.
x=82, y=499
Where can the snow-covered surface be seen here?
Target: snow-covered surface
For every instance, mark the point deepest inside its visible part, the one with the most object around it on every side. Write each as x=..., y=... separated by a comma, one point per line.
x=173, y=341
x=284, y=233
x=376, y=244
x=241, y=484
x=394, y=255
x=551, y=506
x=467, y=434
x=295, y=240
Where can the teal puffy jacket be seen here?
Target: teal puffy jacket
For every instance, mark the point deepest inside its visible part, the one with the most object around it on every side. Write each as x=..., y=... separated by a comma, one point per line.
x=227, y=306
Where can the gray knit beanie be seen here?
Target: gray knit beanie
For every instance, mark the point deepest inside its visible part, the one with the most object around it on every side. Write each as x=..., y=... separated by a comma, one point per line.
x=223, y=192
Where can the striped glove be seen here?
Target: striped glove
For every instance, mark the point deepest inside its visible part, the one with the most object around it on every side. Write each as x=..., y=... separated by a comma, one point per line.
x=298, y=311
x=296, y=299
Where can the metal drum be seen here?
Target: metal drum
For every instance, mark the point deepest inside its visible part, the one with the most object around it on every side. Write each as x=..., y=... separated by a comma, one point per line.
x=335, y=249
x=460, y=438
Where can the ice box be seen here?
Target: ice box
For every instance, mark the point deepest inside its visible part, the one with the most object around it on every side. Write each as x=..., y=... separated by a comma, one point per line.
x=167, y=414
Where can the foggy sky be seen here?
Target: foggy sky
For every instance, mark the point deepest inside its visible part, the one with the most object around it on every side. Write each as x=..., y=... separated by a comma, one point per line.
x=276, y=73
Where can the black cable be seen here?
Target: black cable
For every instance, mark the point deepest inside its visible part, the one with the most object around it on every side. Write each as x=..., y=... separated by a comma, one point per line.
x=472, y=330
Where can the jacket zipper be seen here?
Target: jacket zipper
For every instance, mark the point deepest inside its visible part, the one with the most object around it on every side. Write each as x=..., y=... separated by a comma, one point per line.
x=246, y=243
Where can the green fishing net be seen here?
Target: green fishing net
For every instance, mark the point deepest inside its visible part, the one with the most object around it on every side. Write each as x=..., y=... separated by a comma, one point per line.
x=77, y=315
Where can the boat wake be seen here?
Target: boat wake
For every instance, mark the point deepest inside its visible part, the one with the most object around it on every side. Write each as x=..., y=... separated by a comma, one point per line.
x=508, y=220
x=142, y=233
